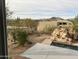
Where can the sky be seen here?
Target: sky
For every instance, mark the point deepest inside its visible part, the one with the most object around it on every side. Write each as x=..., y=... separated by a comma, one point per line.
x=43, y=8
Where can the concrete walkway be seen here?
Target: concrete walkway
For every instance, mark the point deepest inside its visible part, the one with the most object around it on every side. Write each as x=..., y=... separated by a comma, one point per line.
x=42, y=51
x=47, y=41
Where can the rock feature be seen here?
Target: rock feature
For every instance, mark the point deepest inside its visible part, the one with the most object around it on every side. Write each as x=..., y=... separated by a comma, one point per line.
x=62, y=34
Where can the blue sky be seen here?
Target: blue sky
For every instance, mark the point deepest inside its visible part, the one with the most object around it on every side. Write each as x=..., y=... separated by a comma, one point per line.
x=43, y=8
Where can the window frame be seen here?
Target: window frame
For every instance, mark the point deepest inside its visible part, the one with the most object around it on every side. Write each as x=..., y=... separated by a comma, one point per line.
x=3, y=31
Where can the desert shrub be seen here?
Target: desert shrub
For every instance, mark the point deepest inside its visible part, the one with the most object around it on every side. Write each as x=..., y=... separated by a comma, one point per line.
x=20, y=36
x=48, y=29
x=75, y=23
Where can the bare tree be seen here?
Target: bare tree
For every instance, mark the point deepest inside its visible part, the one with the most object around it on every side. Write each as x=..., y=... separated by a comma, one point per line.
x=8, y=13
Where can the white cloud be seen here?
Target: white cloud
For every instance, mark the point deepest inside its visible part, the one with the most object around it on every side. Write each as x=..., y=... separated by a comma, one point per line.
x=43, y=8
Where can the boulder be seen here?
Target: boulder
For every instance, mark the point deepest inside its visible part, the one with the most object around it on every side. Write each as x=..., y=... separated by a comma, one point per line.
x=62, y=35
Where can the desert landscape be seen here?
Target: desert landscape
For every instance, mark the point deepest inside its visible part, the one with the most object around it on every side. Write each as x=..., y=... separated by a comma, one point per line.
x=40, y=32
x=45, y=28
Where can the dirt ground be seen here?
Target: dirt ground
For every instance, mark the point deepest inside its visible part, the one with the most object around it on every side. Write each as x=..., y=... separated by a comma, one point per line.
x=34, y=38
x=38, y=38
x=15, y=51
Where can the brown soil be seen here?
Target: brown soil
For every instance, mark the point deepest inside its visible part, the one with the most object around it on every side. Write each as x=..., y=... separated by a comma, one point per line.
x=15, y=51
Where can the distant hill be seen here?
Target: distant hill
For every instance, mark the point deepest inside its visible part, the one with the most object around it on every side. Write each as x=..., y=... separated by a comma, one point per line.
x=56, y=18
x=50, y=19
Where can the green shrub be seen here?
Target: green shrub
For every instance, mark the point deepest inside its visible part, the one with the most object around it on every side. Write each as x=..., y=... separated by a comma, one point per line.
x=75, y=23
x=20, y=36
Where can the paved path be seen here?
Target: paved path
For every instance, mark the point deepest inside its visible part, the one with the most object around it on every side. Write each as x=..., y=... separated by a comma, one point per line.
x=42, y=51
x=47, y=41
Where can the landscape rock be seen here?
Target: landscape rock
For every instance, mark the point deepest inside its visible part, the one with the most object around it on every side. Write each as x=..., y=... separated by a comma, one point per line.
x=61, y=34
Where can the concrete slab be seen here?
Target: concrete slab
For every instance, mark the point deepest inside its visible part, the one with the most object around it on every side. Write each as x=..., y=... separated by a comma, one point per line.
x=47, y=41
x=62, y=57
x=42, y=51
